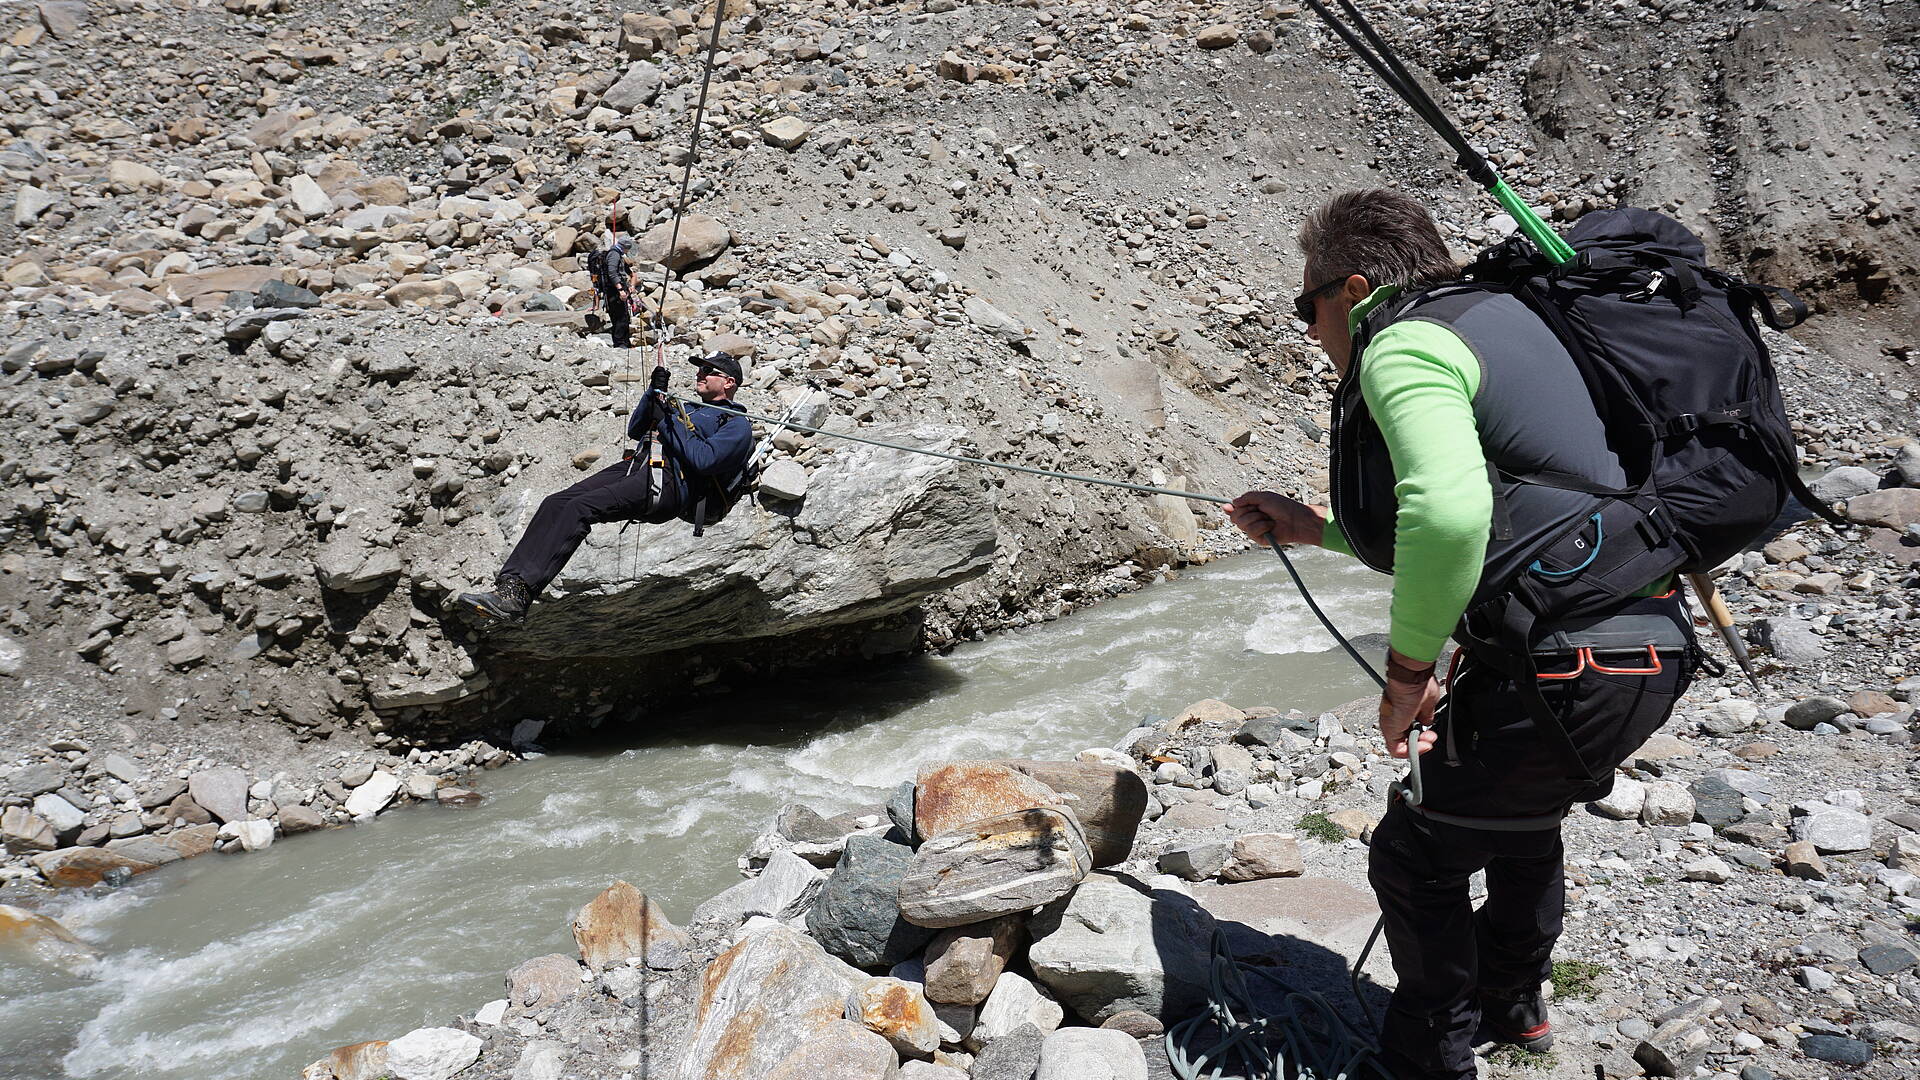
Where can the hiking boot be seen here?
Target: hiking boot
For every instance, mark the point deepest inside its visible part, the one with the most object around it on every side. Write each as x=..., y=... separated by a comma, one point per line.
x=506, y=604
x=1521, y=1022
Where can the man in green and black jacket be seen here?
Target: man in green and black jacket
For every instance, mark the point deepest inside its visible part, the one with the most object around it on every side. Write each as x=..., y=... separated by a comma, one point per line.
x=1447, y=394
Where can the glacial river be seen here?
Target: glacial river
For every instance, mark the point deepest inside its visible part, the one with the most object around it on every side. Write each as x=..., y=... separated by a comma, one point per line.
x=249, y=967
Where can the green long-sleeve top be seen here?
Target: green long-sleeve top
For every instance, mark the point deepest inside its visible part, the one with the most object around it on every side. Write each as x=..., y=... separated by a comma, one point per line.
x=1419, y=380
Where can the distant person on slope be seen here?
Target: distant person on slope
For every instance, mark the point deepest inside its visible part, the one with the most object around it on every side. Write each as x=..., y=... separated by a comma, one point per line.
x=614, y=282
x=1435, y=385
x=683, y=451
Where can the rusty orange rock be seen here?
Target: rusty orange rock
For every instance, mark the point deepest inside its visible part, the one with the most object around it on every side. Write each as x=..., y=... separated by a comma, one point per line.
x=899, y=1013
x=953, y=794
x=79, y=867
x=361, y=1061
x=624, y=922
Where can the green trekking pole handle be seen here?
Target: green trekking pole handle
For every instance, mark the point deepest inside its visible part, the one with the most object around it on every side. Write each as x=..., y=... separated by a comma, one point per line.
x=1536, y=230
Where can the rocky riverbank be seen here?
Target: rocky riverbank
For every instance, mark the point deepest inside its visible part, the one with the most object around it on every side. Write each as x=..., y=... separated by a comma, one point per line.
x=1742, y=902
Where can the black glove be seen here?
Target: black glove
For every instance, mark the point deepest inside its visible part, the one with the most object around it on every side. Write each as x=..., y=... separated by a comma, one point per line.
x=659, y=380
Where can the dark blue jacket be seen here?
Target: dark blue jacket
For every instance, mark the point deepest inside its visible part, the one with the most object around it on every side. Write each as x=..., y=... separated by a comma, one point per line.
x=708, y=441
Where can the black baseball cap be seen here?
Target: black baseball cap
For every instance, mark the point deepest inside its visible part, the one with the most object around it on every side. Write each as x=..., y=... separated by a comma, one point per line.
x=721, y=362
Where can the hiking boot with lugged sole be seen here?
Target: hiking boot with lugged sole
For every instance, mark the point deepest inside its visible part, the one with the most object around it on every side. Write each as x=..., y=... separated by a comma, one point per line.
x=505, y=605
x=1522, y=1023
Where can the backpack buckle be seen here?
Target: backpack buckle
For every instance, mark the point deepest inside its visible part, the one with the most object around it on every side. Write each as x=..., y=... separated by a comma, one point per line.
x=1656, y=523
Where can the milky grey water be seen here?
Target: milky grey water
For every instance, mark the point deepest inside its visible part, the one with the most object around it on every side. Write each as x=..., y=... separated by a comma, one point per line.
x=236, y=968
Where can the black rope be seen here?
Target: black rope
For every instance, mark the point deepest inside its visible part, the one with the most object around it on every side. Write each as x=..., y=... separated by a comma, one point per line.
x=1321, y=615
x=686, y=173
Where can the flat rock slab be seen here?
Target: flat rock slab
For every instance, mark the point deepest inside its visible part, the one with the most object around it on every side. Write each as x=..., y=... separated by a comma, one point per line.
x=1312, y=922
x=760, y=1001
x=1015, y=862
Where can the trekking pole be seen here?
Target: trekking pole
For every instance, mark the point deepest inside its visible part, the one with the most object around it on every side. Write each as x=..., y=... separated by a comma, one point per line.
x=1703, y=588
x=1368, y=45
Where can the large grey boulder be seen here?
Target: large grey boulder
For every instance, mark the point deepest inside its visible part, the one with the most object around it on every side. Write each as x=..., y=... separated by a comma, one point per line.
x=879, y=531
x=1115, y=945
x=760, y=1001
x=857, y=916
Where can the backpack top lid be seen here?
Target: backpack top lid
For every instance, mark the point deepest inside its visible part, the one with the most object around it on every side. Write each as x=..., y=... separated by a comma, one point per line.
x=1644, y=230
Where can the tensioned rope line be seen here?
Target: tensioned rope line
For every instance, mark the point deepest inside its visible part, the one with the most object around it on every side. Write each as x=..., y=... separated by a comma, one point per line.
x=1078, y=478
x=686, y=172
x=658, y=322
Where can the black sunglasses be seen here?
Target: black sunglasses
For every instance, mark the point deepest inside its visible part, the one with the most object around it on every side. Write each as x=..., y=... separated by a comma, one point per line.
x=1303, y=304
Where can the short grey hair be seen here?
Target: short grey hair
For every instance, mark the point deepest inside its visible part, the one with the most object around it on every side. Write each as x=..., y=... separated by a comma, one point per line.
x=1382, y=235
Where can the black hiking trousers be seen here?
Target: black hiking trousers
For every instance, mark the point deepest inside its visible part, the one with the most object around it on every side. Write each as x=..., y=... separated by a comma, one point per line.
x=565, y=517
x=619, y=317
x=1491, y=762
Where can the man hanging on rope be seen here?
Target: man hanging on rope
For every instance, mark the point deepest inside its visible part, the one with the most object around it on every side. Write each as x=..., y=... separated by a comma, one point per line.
x=683, y=452
x=1428, y=396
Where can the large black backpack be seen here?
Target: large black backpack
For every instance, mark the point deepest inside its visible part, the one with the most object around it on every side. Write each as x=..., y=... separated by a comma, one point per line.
x=1672, y=355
